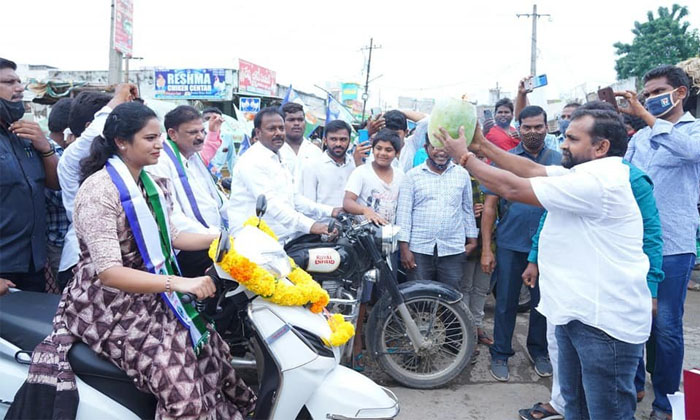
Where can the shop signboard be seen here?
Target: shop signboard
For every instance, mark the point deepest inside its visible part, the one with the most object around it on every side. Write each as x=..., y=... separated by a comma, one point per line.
x=256, y=79
x=190, y=84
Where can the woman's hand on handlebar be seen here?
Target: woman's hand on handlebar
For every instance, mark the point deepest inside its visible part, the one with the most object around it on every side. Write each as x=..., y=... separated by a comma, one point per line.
x=202, y=287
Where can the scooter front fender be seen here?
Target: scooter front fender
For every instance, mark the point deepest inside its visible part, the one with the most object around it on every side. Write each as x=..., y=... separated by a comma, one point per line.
x=346, y=394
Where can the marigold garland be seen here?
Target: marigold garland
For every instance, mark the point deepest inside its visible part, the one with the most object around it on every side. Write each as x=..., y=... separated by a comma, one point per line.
x=260, y=224
x=341, y=330
x=304, y=290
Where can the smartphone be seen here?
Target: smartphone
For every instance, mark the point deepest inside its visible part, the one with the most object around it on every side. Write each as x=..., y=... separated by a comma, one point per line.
x=488, y=114
x=606, y=94
x=362, y=136
x=375, y=112
x=536, y=82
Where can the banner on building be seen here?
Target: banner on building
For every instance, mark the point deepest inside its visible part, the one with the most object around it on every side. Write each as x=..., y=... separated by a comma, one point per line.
x=123, y=26
x=191, y=84
x=349, y=92
x=256, y=79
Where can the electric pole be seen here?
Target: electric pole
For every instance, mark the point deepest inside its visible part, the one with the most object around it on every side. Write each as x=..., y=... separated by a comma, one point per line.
x=533, y=54
x=115, y=57
x=365, y=95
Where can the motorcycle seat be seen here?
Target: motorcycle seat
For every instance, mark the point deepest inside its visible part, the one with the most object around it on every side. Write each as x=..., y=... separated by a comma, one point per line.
x=26, y=319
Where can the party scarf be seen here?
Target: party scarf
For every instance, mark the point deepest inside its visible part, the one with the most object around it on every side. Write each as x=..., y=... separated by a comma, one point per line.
x=153, y=240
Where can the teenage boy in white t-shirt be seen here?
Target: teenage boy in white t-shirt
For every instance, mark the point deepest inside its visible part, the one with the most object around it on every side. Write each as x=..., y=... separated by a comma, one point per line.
x=372, y=191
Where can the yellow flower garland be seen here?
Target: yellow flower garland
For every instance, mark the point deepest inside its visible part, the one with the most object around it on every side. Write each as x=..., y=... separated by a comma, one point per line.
x=261, y=282
x=341, y=330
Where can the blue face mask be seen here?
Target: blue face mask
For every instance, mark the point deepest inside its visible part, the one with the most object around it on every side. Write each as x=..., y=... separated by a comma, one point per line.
x=563, y=125
x=660, y=105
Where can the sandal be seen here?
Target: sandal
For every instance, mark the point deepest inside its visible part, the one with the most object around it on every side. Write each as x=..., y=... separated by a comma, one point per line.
x=484, y=338
x=358, y=363
x=544, y=414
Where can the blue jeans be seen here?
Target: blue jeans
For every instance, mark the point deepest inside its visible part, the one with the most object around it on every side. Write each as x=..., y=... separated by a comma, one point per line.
x=448, y=269
x=665, y=346
x=596, y=373
x=510, y=266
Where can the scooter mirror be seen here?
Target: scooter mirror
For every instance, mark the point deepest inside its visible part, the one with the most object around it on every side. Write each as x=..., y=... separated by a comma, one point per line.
x=224, y=245
x=261, y=205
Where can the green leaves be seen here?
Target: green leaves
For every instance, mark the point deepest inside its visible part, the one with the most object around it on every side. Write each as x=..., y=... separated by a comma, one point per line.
x=661, y=40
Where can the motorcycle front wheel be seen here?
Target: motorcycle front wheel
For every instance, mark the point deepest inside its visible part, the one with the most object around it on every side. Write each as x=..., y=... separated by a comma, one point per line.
x=451, y=338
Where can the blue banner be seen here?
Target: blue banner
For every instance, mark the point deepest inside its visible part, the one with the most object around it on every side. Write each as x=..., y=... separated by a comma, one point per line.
x=190, y=84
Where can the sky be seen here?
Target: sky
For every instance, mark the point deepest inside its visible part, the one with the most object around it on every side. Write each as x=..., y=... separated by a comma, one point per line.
x=429, y=49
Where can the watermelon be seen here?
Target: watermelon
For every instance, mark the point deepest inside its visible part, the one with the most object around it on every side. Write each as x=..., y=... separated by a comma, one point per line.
x=450, y=114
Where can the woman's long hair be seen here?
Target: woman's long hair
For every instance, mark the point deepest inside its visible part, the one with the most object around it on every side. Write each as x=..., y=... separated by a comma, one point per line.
x=123, y=122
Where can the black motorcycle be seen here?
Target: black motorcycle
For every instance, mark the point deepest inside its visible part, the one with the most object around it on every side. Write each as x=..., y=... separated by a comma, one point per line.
x=420, y=332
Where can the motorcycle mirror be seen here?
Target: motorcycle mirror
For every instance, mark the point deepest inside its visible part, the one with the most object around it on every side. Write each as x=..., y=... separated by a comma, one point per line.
x=261, y=205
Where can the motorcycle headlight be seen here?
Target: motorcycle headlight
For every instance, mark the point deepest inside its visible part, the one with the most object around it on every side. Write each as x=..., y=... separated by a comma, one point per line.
x=389, y=238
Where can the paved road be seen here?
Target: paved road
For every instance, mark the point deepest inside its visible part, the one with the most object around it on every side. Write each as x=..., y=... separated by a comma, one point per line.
x=476, y=395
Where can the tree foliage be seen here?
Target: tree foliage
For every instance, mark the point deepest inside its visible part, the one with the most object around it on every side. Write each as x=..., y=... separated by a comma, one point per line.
x=661, y=40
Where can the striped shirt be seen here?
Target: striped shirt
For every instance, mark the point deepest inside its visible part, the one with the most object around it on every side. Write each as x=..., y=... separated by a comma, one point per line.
x=436, y=210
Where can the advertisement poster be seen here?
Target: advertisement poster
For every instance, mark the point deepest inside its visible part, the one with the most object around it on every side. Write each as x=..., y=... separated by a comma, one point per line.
x=190, y=84
x=249, y=107
x=123, y=26
x=255, y=79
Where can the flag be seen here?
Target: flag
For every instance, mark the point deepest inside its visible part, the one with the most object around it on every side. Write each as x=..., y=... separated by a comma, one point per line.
x=337, y=111
x=245, y=144
x=292, y=96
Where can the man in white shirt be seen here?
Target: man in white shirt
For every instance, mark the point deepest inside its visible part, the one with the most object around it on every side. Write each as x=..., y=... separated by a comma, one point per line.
x=323, y=178
x=297, y=150
x=195, y=192
x=592, y=266
x=260, y=171
x=86, y=121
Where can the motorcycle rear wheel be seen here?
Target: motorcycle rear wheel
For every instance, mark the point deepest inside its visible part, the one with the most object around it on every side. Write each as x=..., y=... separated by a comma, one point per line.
x=449, y=327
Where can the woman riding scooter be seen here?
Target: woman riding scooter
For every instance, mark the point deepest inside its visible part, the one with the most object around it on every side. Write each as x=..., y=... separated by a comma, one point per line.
x=121, y=302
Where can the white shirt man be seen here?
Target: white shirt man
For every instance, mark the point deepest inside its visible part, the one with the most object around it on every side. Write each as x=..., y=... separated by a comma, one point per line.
x=196, y=195
x=211, y=205
x=295, y=162
x=296, y=150
x=260, y=172
x=324, y=177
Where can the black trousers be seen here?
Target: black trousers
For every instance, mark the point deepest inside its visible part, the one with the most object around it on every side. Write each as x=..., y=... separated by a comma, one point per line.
x=193, y=263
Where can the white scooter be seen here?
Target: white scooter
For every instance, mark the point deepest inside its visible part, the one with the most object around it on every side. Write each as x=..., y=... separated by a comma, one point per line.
x=299, y=375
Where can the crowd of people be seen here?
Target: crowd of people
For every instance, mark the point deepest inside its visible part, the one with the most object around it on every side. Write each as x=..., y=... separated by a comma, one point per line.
x=598, y=220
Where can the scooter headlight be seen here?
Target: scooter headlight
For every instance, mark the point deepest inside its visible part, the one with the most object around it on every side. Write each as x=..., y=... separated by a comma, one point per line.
x=389, y=238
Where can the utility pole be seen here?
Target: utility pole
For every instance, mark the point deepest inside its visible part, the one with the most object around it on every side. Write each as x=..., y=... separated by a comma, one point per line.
x=533, y=54
x=115, y=57
x=365, y=95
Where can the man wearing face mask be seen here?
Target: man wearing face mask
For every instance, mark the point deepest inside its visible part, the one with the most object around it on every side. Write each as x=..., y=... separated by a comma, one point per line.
x=668, y=150
x=517, y=223
x=501, y=133
x=563, y=122
x=27, y=165
x=436, y=216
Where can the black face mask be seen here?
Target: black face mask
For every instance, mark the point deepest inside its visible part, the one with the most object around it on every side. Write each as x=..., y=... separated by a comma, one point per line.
x=438, y=166
x=533, y=141
x=11, y=111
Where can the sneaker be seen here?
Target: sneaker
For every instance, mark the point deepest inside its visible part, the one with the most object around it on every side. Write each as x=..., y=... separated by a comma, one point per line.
x=499, y=370
x=543, y=367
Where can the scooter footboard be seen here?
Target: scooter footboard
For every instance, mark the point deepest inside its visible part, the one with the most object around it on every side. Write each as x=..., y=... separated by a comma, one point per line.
x=346, y=394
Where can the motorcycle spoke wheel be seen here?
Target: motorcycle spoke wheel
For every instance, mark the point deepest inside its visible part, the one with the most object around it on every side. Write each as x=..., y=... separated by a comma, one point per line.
x=440, y=324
